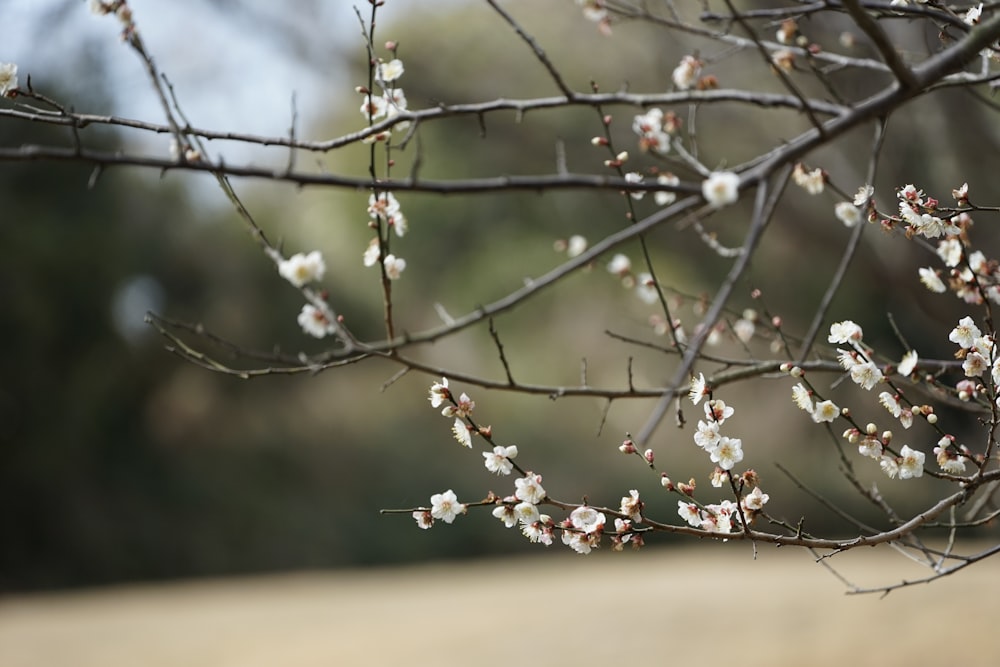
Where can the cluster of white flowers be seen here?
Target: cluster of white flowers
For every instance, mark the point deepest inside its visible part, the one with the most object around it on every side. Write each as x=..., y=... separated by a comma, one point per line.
x=812, y=182
x=460, y=409
x=724, y=451
x=645, y=287
x=654, y=133
x=8, y=78
x=864, y=372
x=315, y=318
x=389, y=104
x=383, y=208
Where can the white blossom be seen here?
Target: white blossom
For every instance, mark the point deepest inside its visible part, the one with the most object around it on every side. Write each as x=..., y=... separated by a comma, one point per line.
x=8, y=78
x=390, y=71
x=911, y=463
x=686, y=73
x=529, y=488
x=499, y=460
x=300, y=269
x=445, y=506
x=848, y=213
x=721, y=188
x=394, y=266
x=316, y=322
x=931, y=280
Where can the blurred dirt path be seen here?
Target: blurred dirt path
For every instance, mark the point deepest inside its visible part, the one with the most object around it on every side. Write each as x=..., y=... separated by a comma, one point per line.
x=703, y=607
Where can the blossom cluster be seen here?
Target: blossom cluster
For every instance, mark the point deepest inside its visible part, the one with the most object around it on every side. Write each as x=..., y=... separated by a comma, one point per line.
x=724, y=451
x=979, y=357
x=301, y=269
x=387, y=105
x=383, y=208
x=582, y=530
x=460, y=408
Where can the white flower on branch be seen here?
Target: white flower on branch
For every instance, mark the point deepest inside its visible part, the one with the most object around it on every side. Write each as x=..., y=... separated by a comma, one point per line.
x=445, y=506
x=847, y=213
x=755, y=500
x=689, y=512
x=394, y=266
x=300, y=269
x=972, y=16
x=932, y=280
x=686, y=73
x=390, y=71
x=950, y=252
x=462, y=433
x=576, y=245
x=632, y=506
x=635, y=177
x=717, y=410
x=911, y=463
x=844, y=332
x=891, y=403
x=8, y=78
x=593, y=10
x=965, y=334
x=499, y=460
x=908, y=363
x=812, y=182
x=652, y=136
x=372, y=252
x=699, y=388
x=744, y=329
x=665, y=197
x=727, y=452
x=646, y=288
x=620, y=265
x=526, y=513
x=864, y=194
x=587, y=519
x=802, y=398
x=825, y=411
x=866, y=375
x=721, y=188
x=707, y=436
x=317, y=322
x=439, y=393
x=947, y=459
x=373, y=107
x=540, y=531
x=529, y=488
x=506, y=513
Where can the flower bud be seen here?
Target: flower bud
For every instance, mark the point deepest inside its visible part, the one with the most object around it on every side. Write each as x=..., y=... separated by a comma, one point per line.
x=666, y=483
x=648, y=455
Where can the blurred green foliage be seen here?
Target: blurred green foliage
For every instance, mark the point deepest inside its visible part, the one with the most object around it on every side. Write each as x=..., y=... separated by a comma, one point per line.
x=118, y=461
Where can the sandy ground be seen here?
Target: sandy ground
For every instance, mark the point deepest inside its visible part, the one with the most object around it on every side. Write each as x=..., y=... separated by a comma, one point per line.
x=700, y=607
